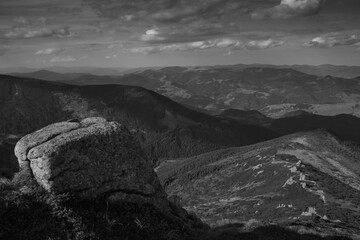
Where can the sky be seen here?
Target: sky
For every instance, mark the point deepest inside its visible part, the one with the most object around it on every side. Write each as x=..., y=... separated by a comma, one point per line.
x=141, y=33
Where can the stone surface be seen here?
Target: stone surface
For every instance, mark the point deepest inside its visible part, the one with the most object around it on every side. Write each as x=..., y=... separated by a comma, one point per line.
x=91, y=158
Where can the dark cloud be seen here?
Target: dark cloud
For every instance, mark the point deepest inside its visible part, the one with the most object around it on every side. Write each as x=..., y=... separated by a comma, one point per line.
x=37, y=7
x=23, y=32
x=185, y=21
x=64, y=10
x=25, y=28
x=204, y=9
x=290, y=9
x=87, y=46
x=170, y=11
x=183, y=11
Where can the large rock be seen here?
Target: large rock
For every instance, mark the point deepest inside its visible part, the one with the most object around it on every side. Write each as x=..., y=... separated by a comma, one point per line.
x=92, y=158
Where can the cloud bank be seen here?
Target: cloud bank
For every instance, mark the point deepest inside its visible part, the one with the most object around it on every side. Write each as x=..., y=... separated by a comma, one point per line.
x=63, y=59
x=49, y=51
x=334, y=39
x=23, y=28
x=26, y=32
x=290, y=9
x=227, y=44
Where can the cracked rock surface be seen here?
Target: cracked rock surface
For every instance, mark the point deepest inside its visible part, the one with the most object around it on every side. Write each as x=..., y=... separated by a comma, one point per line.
x=91, y=157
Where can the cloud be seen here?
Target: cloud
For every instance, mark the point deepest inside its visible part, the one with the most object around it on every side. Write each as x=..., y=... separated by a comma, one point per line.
x=30, y=32
x=227, y=44
x=152, y=35
x=175, y=20
x=334, y=39
x=49, y=51
x=263, y=44
x=35, y=28
x=116, y=45
x=111, y=56
x=197, y=31
x=183, y=21
x=63, y=59
x=21, y=20
x=198, y=45
x=93, y=45
x=165, y=11
x=201, y=9
x=290, y=9
x=147, y=50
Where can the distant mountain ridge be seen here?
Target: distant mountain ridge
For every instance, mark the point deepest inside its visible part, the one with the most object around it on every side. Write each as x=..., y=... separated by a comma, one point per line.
x=344, y=126
x=273, y=91
x=341, y=71
x=220, y=88
x=165, y=128
x=49, y=75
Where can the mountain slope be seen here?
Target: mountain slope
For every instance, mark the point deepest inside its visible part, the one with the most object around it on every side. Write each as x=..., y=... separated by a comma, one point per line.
x=332, y=70
x=306, y=178
x=48, y=75
x=344, y=126
x=327, y=109
x=340, y=71
x=250, y=116
x=165, y=128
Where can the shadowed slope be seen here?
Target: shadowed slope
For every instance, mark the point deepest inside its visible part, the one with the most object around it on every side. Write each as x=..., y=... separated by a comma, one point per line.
x=164, y=127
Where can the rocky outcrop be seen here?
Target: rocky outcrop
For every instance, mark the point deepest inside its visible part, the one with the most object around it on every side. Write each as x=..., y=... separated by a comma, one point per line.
x=92, y=158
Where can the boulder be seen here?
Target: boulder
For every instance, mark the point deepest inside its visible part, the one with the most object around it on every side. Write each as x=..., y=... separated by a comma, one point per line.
x=91, y=158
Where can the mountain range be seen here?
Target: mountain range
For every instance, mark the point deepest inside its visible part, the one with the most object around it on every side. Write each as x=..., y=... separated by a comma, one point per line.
x=29, y=104
x=165, y=128
x=340, y=71
x=299, y=170
x=272, y=91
